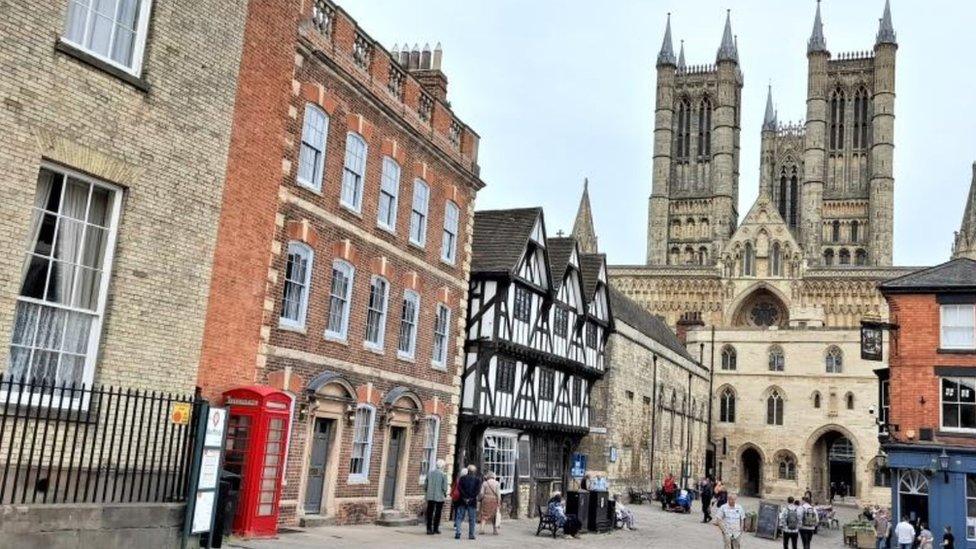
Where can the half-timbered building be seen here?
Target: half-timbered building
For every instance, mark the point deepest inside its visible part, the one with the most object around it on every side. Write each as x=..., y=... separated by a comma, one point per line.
x=538, y=321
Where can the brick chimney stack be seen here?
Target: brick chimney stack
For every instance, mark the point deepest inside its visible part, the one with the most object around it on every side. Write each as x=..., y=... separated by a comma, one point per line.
x=688, y=320
x=425, y=66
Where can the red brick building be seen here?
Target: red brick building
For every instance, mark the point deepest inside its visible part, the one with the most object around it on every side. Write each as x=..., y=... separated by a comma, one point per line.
x=342, y=259
x=927, y=406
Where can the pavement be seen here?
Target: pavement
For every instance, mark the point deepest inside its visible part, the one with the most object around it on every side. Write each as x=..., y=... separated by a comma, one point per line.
x=655, y=528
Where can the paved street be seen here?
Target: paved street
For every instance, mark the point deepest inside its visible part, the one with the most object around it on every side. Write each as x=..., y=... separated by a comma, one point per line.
x=656, y=528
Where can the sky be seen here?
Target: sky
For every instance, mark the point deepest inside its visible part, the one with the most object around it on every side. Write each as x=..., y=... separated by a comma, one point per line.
x=562, y=90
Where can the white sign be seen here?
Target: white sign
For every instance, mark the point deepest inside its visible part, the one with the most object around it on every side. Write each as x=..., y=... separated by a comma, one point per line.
x=202, y=512
x=209, y=469
x=215, y=428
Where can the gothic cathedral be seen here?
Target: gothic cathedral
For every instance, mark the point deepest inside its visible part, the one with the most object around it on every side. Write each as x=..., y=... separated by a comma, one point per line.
x=780, y=293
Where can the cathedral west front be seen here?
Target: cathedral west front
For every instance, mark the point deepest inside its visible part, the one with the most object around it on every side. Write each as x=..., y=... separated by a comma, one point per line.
x=779, y=291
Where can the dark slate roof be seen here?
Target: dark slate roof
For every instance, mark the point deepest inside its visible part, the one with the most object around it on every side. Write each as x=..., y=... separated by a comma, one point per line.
x=500, y=237
x=560, y=250
x=590, y=269
x=956, y=275
x=629, y=312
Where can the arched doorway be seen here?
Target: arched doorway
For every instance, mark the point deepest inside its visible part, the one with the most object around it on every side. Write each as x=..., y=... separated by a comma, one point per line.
x=833, y=461
x=750, y=472
x=913, y=496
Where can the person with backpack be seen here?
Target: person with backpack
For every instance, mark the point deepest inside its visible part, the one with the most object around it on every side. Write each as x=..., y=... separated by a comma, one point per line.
x=809, y=520
x=705, y=489
x=789, y=522
x=469, y=488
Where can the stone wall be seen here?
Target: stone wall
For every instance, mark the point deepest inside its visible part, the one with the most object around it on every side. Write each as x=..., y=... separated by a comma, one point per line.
x=627, y=413
x=83, y=526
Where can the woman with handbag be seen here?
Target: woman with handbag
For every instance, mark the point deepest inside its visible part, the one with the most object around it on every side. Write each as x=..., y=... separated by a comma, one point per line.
x=490, y=503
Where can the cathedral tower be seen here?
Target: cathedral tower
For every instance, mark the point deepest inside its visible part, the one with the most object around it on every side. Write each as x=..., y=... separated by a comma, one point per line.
x=848, y=147
x=693, y=204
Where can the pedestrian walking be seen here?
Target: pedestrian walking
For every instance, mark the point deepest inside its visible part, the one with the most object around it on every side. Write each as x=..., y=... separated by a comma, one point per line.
x=730, y=519
x=882, y=528
x=809, y=520
x=948, y=540
x=705, y=489
x=789, y=522
x=435, y=490
x=469, y=486
x=721, y=494
x=905, y=533
x=456, y=493
x=925, y=537
x=490, y=500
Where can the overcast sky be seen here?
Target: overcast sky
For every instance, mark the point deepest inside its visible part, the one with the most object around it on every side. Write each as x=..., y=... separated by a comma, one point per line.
x=560, y=90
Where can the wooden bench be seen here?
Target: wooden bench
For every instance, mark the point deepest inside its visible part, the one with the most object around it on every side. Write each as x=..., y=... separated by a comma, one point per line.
x=546, y=522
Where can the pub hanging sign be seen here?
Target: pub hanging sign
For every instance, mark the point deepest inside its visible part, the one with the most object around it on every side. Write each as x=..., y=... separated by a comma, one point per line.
x=872, y=339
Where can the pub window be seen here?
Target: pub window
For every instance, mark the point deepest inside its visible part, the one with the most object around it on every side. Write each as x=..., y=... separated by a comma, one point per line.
x=958, y=326
x=971, y=507
x=499, y=455
x=959, y=403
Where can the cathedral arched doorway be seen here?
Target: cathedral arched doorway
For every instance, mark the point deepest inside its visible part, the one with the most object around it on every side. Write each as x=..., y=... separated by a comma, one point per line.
x=833, y=459
x=750, y=472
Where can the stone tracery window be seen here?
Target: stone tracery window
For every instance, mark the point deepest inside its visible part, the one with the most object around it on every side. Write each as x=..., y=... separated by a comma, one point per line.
x=727, y=406
x=834, y=360
x=786, y=466
x=728, y=358
x=764, y=314
x=774, y=408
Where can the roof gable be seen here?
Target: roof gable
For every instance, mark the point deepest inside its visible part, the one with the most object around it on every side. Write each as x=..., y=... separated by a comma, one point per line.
x=501, y=236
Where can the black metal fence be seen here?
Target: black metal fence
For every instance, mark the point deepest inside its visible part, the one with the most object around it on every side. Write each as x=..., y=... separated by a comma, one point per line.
x=92, y=444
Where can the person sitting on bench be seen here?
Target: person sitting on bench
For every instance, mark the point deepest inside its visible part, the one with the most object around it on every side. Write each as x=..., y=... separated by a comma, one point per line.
x=557, y=510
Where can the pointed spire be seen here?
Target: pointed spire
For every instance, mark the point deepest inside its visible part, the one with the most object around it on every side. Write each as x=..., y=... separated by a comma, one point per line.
x=666, y=55
x=726, y=51
x=965, y=243
x=681, y=56
x=817, y=42
x=769, y=121
x=886, y=32
x=583, y=230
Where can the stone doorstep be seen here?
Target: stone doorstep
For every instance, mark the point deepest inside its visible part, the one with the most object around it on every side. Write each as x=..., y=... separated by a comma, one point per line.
x=315, y=521
x=392, y=517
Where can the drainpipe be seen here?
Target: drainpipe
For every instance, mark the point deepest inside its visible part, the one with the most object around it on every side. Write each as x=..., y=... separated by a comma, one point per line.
x=653, y=415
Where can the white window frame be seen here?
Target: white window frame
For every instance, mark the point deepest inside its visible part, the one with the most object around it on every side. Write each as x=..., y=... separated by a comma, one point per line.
x=970, y=519
x=315, y=183
x=353, y=179
x=506, y=444
x=363, y=475
x=440, y=362
x=409, y=296
x=382, y=312
x=349, y=271
x=98, y=313
x=138, y=44
x=962, y=309
x=971, y=381
x=300, y=248
x=449, y=239
x=390, y=191
x=418, y=213
x=429, y=456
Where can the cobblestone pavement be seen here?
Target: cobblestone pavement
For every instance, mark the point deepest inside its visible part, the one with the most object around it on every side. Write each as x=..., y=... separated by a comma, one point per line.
x=655, y=528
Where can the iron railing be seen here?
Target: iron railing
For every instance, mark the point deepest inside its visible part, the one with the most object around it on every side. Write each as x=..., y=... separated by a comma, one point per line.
x=92, y=444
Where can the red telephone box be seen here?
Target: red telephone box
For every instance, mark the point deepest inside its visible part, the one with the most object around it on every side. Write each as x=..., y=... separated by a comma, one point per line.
x=257, y=433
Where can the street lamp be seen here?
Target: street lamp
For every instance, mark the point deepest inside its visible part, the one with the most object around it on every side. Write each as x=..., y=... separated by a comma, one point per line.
x=881, y=460
x=944, y=465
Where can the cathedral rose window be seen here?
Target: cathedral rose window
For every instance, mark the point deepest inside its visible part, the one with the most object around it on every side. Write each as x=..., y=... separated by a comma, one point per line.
x=764, y=314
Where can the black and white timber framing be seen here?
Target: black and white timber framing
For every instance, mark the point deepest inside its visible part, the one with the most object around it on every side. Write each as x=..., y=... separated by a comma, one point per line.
x=538, y=321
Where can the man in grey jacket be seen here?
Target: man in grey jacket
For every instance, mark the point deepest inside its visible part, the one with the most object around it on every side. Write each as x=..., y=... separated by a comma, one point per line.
x=436, y=488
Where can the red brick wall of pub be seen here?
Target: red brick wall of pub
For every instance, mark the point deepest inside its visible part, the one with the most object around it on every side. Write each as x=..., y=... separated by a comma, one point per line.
x=915, y=388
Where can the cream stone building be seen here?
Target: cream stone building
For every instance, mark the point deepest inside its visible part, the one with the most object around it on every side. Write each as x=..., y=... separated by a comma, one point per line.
x=781, y=293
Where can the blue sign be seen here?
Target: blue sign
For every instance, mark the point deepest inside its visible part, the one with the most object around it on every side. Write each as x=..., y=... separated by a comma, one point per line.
x=579, y=466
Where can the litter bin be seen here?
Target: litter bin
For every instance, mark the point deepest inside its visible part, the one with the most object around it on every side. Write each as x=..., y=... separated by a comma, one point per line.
x=228, y=495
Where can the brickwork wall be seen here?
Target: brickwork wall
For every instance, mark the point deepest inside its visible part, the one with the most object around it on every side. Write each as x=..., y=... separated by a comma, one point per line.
x=915, y=389
x=293, y=64
x=166, y=147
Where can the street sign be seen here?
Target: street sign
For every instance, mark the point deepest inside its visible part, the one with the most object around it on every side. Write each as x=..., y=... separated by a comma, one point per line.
x=180, y=413
x=205, y=471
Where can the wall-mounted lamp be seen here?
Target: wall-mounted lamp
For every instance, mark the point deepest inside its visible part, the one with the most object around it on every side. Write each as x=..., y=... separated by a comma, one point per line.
x=944, y=465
